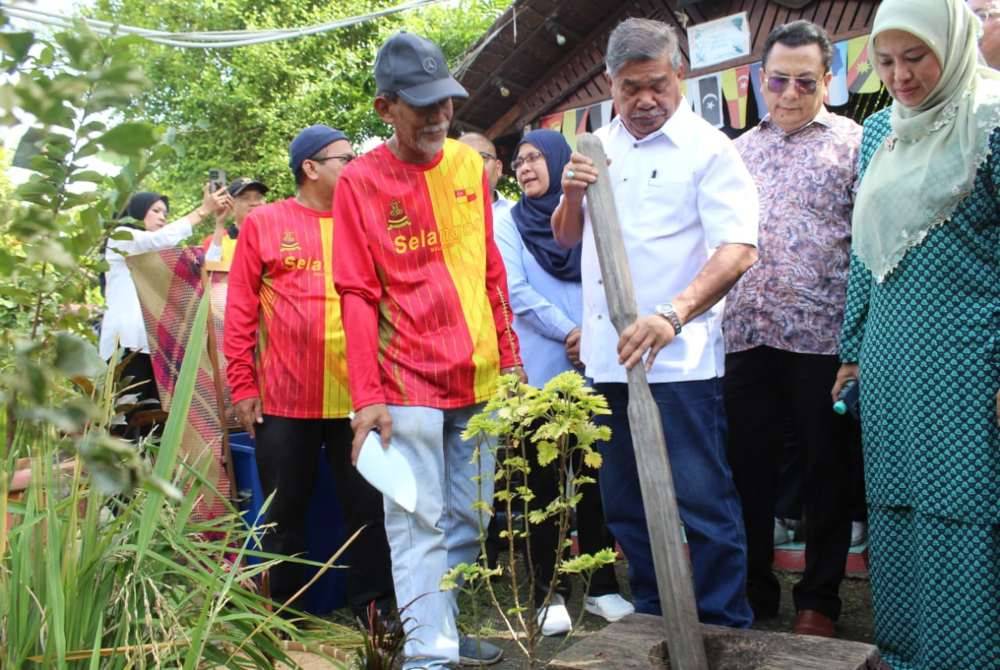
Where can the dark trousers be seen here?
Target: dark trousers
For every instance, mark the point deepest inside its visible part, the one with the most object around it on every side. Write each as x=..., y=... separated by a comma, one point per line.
x=137, y=378
x=591, y=531
x=694, y=424
x=287, y=451
x=765, y=388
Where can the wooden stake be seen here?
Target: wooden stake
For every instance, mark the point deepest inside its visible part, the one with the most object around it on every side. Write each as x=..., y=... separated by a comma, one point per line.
x=673, y=571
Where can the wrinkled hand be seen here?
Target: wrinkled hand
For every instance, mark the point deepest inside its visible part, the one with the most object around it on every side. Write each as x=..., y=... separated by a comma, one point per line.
x=216, y=203
x=578, y=174
x=516, y=370
x=648, y=334
x=847, y=372
x=249, y=411
x=572, y=344
x=373, y=417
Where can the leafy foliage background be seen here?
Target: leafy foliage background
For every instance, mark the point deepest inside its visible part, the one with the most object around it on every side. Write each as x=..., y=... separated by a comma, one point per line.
x=237, y=109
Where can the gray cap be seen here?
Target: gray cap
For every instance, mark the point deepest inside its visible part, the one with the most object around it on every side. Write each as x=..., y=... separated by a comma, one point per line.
x=414, y=68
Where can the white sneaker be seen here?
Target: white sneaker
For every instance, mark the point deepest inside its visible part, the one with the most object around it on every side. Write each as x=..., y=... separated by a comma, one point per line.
x=611, y=607
x=859, y=533
x=554, y=619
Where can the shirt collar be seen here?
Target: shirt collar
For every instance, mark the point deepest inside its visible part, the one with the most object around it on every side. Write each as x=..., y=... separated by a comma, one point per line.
x=673, y=129
x=824, y=117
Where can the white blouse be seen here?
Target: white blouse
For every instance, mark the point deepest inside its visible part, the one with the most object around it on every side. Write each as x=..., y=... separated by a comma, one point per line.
x=122, y=323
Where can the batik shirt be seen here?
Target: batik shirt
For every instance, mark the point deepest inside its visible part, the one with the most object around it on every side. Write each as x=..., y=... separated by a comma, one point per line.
x=426, y=311
x=793, y=297
x=283, y=335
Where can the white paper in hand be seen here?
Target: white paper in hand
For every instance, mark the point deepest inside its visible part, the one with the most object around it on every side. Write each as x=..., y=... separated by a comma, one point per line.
x=388, y=471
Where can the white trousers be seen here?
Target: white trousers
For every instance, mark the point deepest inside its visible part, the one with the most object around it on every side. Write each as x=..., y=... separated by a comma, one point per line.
x=442, y=532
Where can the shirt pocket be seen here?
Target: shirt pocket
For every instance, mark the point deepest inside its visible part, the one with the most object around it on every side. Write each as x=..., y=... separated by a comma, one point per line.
x=665, y=206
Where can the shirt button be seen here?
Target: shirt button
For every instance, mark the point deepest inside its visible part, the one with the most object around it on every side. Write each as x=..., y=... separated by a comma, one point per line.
x=635, y=146
x=600, y=281
x=599, y=317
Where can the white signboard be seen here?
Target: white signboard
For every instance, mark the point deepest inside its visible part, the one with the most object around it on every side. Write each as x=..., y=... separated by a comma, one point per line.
x=719, y=40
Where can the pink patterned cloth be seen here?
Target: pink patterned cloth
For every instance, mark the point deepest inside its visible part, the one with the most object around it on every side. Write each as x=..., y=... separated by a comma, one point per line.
x=793, y=297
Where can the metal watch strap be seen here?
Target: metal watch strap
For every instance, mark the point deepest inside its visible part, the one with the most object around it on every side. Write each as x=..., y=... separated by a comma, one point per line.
x=666, y=310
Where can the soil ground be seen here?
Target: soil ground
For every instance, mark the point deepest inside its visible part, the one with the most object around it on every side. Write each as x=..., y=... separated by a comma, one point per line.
x=855, y=621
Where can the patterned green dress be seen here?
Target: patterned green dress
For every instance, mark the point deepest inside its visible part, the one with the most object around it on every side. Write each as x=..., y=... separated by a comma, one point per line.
x=928, y=343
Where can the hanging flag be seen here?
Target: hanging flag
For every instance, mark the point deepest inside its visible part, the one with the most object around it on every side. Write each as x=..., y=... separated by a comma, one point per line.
x=736, y=88
x=594, y=117
x=552, y=122
x=756, y=83
x=837, y=93
x=860, y=76
x=569, y=127
x=607, y=111
x=708, y=103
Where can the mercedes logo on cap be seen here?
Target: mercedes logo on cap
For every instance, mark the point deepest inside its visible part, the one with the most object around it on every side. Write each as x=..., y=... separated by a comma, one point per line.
x=430, y=65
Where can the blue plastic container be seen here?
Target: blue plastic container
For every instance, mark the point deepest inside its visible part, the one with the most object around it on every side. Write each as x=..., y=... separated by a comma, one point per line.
x=325, y=527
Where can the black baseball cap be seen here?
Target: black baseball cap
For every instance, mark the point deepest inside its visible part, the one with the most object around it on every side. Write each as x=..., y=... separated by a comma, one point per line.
x=243, y=183
x=414, y=68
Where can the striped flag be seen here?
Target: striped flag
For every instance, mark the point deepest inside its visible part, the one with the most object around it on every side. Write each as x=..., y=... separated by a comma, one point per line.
x=756, y=83
x=860, y=76
x=838, y=94
x=708, y=95
x=736, y=88
x=552, y=122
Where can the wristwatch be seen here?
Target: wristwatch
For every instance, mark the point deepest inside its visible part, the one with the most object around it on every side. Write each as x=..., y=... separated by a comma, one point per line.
x=666, y=310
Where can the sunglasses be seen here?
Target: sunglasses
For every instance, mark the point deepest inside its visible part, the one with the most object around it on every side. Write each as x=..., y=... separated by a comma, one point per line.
x=777, y=84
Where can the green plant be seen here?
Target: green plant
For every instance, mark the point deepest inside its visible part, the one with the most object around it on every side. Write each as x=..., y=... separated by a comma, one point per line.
x=102, y=564
x=536, y=428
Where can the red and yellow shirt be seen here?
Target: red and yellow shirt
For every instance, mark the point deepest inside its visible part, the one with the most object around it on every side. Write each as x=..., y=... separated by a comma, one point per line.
x=426, y=310
x=283, y=335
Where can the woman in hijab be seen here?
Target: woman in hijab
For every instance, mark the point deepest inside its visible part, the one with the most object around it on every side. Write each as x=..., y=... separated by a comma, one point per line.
x=547, y=300
x=122, y=324
x=922, y=335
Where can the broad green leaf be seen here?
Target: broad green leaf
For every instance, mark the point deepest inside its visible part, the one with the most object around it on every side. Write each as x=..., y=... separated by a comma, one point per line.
x=129, y=138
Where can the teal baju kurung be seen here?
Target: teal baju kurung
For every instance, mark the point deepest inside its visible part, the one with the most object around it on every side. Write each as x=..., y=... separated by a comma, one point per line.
x=927, y=340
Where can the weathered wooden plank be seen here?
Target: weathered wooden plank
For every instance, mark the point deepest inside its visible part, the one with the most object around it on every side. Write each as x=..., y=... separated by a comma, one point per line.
x=673, y=570
x=636, y=643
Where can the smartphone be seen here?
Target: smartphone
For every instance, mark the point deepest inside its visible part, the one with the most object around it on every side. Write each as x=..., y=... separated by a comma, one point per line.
x=216, y=179
x=849, y=399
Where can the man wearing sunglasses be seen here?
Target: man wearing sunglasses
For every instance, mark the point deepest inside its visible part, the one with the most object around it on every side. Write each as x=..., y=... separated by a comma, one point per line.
x=988, y=12
x=782, y=323
x=284, y=344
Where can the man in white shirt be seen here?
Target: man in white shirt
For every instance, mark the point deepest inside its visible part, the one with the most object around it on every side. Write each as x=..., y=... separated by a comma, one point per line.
x=688, y=210
x=492, y=165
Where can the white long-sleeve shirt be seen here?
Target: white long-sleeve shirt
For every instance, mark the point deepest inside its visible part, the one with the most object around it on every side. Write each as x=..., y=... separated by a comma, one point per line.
x=122, y=323
x=680, y=193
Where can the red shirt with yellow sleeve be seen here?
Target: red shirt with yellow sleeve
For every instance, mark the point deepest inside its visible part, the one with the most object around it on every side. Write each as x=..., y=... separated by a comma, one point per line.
x=283, y=336
x=426, y=310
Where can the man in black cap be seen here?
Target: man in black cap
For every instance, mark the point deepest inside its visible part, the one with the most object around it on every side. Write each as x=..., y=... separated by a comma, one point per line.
x=284, y=345
x=424, y=297
x=247, y=194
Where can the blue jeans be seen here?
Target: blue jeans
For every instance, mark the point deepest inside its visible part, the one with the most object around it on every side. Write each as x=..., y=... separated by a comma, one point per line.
x=694, y=424
x=442, y=531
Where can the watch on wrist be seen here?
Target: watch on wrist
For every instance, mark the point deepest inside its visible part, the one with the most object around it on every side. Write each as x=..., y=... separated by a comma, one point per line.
x=666, y=310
